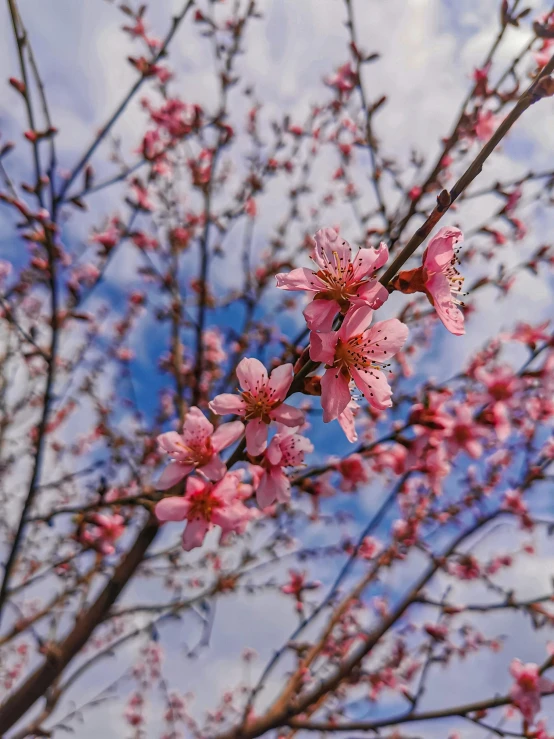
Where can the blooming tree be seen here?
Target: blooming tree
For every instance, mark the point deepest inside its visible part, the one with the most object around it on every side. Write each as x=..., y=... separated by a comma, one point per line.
x=245, y=366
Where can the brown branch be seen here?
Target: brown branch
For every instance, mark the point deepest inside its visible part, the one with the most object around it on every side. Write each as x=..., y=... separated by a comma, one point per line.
x=445, y=199
x=60, y=655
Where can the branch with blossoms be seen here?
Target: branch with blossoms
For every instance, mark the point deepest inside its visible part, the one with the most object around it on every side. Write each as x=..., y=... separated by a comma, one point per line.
x=120, y=411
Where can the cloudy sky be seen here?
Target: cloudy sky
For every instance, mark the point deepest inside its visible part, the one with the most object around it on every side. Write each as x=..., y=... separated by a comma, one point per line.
x=428, y=49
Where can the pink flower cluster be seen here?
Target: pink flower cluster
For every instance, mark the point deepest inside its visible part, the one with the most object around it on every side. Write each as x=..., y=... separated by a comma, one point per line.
x=344, y=284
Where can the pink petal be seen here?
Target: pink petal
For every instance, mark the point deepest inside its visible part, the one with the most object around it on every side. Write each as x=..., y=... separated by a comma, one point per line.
x=356, y=322
x=440, y=249
x=299, y=279
x=450, y=315
x=173, y=473
x=385, y=338
x=226, y=435
x=327, y=242
x=335, y=394
x=280, y=381
x=367, y=261
x=172, y=509
x=195, y=485
x=273, y=486
x=322, y=347
x=287, y=415
x=346, y=421
x=232, y=518
x=320, y=314
x=371, y=293
x=197, y=424
x=274, y=453
x=256, y=436
x=373, y=384
x=171, y=442
x=215, y=469
x=227, y=403
x=194, y=533
x=251, y=374
x=226, y=490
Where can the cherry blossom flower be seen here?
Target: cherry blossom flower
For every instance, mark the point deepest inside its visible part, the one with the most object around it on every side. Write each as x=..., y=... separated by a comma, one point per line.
x=486, y=125
x=438, y=278
x=353, y=470
x=527, y=689
x=346, y=420
x=260, y=402
x=465, y=434
x=297, y=585
x=340, y=281
x=286, y=449
x=205, y=505
x=197, y=448
x=105, y=531
x=344, y=79
x=355, y=352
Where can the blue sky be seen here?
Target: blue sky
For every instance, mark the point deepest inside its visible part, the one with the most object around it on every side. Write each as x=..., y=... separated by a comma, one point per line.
x=429, y=50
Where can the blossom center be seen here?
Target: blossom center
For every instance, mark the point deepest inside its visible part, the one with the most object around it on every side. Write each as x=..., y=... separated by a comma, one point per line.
x=202, y=505
x=353, y=353
x=260, y=405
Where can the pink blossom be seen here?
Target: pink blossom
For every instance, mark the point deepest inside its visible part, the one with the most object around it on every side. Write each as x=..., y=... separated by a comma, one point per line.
x=442, y=278
x=297, y=585
x=205, y=505
x=485, y=126
x=341, y=280
x=197, y=448
x=105, y=531
x=286, y=449
x=260, y=402
x=355, y=352
x=527, y=689
x=354, y=471
x=346, y=421
x=344, y=79
x=108, y=238
x=512, y=199
x=465, y=434
x=542, y=56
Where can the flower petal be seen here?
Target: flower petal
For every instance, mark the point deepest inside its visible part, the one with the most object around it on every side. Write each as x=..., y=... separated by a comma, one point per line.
x=196, y=424
x=346, y=421
x=287, y=415
x=280, y=381
x=371, y=293
x=173, y=473
x=251, y=374
x=172, y=509
x=373, y=384
x=194, y=534
x=299, y=279
x=383, y=340
x=256, y=437
x=226, y=435
x=356, y=322
x=448, y=312
x=227, y=403
x=320, y=314
x=322, y=346
x=367, y=261
x=440, y=249
x=335, y=394
x=215, y=469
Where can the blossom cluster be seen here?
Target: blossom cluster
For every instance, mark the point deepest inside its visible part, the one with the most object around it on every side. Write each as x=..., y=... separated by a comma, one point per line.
x=354, y=352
